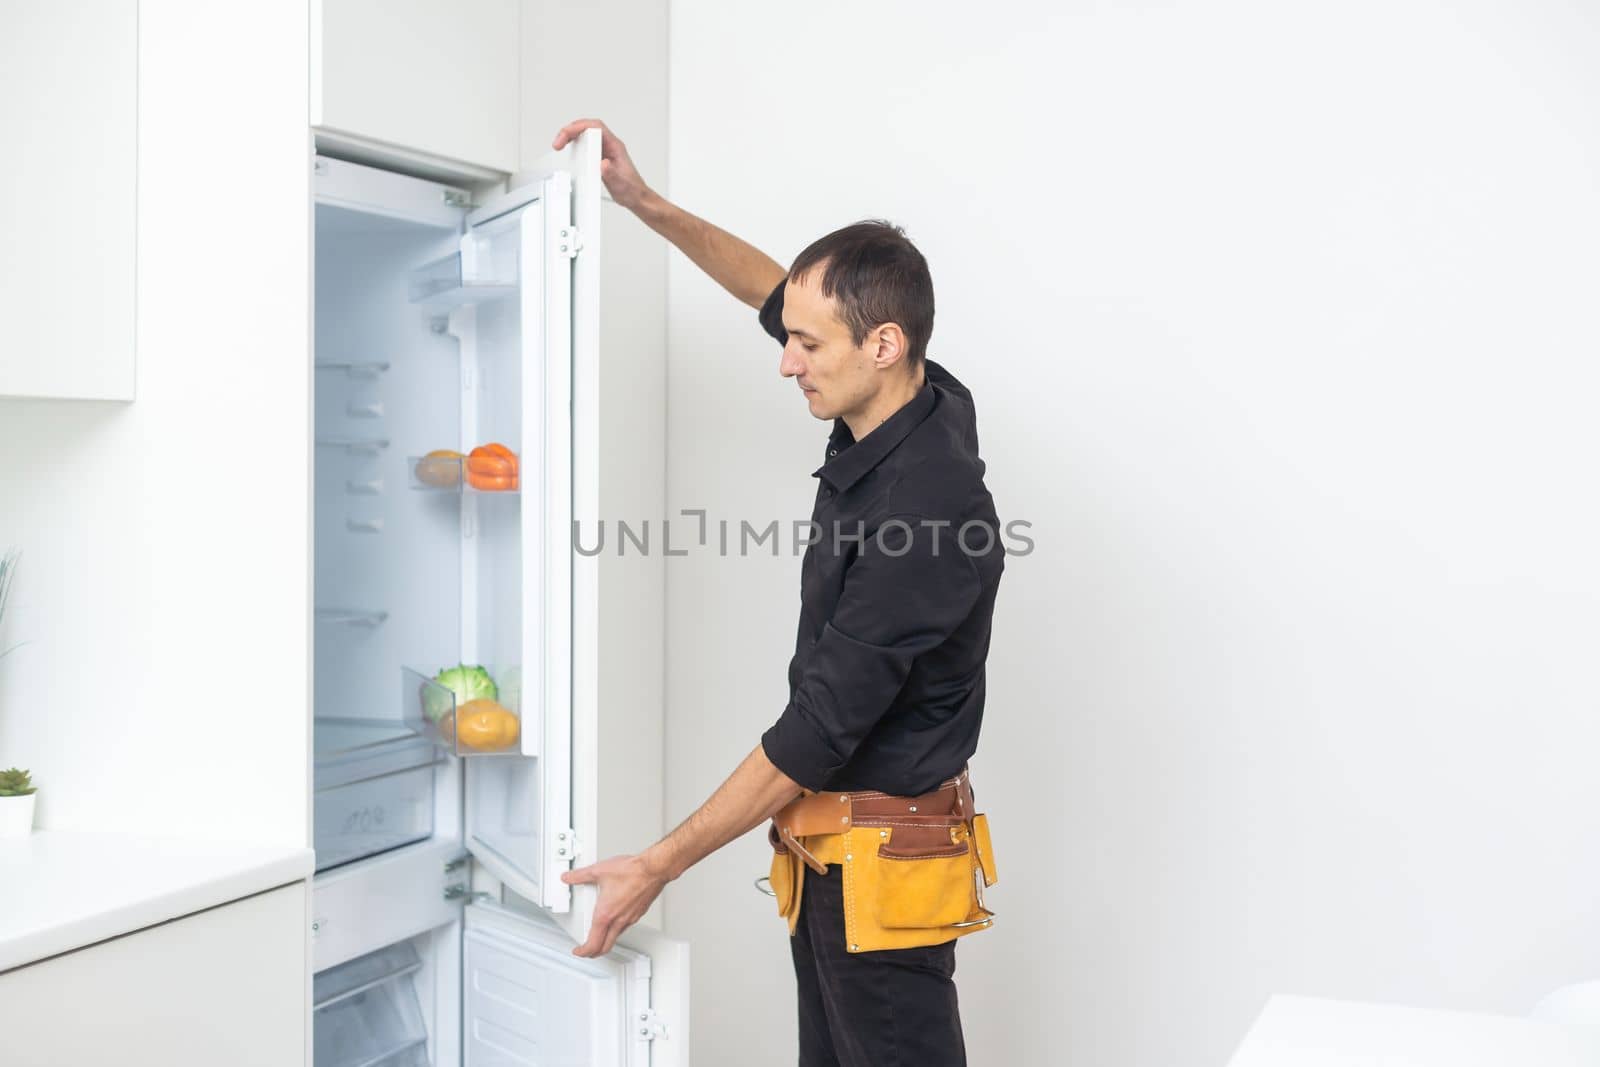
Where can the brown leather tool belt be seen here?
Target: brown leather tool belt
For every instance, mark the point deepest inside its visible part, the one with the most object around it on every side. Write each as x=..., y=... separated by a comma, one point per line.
x=924, y=819
x=914, y=867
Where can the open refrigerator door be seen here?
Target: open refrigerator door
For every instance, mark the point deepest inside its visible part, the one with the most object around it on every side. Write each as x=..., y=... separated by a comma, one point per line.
x=528, y=1000
x=517, y=554
x=531, y=597
x=534, y=813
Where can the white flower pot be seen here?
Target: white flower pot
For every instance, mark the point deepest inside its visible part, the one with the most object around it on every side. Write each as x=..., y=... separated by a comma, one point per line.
x=16, y=815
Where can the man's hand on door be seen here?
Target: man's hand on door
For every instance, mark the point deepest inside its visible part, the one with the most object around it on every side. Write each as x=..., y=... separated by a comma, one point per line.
x=621, y=177
x=628, y=886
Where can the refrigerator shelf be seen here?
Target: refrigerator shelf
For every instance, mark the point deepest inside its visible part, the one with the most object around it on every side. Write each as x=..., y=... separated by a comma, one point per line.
x=351, y=616
x=354, y=368
x=356, y=446
x=446, y=474
x=494, y=727
x=451, y=282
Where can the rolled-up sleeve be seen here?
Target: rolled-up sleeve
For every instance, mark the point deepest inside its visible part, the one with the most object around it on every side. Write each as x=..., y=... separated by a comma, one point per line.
x=908, y=589
x=771, y=314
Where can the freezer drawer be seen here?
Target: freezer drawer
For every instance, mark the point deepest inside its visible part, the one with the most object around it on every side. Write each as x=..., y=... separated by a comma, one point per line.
x=365, y=1012
x=374, y=785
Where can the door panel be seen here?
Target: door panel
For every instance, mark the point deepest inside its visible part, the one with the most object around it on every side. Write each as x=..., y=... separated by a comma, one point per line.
x=528, y=1001
x=519, y=806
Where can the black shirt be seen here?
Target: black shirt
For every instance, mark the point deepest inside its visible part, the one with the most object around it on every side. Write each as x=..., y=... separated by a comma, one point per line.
x=897, y=595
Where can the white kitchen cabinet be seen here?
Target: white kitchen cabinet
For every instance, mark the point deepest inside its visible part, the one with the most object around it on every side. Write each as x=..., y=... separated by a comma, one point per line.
x=68, y=119
x=223, y=986
x=432, y=77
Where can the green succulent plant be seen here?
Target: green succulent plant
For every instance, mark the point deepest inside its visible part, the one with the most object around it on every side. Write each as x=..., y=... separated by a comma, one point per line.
x=15, y=783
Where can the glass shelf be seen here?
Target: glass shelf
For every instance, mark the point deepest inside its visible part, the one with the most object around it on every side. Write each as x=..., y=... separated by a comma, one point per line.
x=351, y=616
x=448, y=474
x=354, y=369
x=369, y=446
x=450, y=282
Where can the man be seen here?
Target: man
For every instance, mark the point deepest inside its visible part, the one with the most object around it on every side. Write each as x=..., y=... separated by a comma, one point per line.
x=878, y=867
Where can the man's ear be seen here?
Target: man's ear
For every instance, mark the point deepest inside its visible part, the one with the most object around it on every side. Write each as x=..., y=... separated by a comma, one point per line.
x=891, y=346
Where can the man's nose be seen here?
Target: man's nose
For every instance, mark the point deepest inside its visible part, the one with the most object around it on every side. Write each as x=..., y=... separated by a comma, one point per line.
x=790, y=365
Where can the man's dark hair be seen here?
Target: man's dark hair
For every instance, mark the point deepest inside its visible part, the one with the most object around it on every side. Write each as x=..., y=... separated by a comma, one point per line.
x=876, y=275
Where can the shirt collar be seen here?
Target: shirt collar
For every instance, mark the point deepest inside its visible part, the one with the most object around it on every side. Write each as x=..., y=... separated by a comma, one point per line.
x=856, y=458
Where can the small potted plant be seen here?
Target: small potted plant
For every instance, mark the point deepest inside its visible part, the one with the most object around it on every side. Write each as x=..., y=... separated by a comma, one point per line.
x=16, y=803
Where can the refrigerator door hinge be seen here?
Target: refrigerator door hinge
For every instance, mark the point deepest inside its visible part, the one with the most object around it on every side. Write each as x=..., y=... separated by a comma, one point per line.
x=461, y=891
x=458, y=891
x=566, y=844
x=457, y=198
x=650, y=1025
x=569, y=241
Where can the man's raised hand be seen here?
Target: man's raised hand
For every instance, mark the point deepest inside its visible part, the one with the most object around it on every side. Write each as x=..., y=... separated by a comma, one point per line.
x=621, y=177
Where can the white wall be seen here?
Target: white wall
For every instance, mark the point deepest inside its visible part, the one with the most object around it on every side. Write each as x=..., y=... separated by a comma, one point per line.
x=560, y=83
x=1280, y=323
x=163, y=589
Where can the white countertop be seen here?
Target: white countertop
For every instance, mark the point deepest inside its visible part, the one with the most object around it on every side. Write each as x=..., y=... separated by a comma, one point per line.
x=1306, y=1032
x=61, y=890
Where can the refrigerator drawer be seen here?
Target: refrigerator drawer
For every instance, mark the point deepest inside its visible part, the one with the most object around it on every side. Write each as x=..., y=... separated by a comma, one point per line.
x=362, y=907
x=373, y=815
x=374, y=789
x=365, y=1012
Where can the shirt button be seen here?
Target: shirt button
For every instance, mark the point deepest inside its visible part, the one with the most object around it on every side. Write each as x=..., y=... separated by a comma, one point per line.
x=827, y=494
x=833, y=451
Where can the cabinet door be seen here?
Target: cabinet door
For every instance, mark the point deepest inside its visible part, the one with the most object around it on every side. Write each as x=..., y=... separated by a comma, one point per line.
x=528, y=1000
x=222, y=986
x=529, y=596
x=68, y=116
x=438, y=78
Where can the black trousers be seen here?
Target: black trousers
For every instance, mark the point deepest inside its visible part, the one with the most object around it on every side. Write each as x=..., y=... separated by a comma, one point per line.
x=892, y=1008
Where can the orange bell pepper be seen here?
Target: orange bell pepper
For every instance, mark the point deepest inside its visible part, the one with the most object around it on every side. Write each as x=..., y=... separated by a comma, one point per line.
x=492, y=468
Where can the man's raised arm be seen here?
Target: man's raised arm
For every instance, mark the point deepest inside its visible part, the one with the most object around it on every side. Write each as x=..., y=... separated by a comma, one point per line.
x=739, y=267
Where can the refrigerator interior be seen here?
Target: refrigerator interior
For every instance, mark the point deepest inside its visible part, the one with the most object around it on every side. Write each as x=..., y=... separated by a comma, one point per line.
x=388, y=594
x=387, y=576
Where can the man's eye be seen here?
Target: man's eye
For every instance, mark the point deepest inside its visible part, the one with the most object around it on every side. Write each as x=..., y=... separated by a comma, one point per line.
x=808, y=348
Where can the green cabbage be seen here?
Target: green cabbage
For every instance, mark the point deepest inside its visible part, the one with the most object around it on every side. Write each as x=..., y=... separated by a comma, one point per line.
x=467, y=683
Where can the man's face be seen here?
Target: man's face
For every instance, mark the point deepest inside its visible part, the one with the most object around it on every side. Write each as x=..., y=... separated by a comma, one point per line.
x=837, y=376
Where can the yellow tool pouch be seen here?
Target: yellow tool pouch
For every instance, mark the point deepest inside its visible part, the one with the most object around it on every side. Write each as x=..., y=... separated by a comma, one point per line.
x=923, y=887
x=784, y=879
x=910, y=885
x=914, y=868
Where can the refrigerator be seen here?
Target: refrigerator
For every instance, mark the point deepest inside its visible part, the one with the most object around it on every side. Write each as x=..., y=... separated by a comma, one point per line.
x=481, y=703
